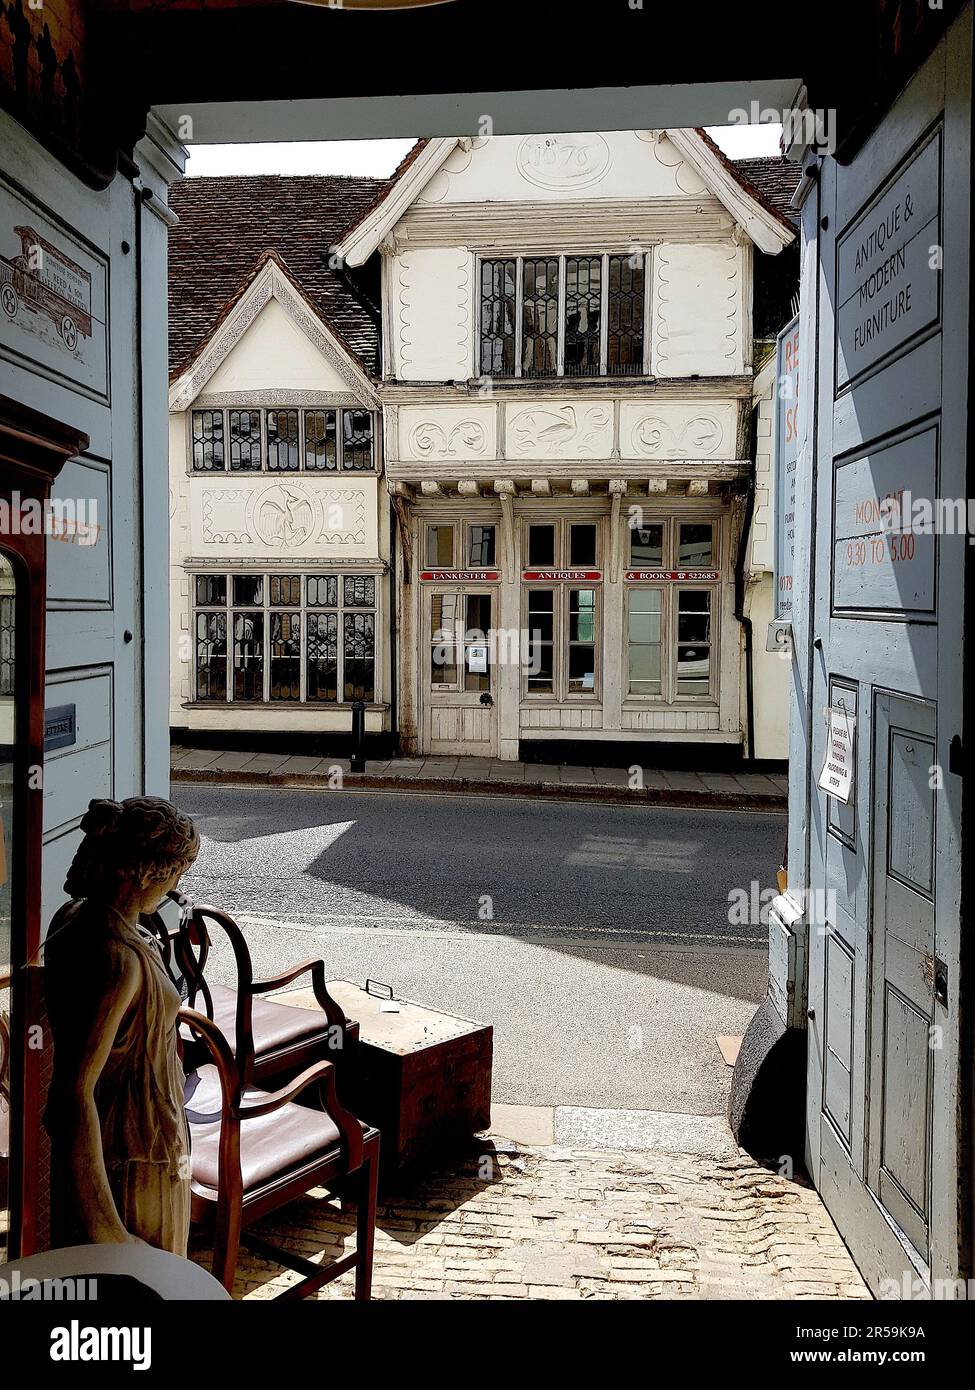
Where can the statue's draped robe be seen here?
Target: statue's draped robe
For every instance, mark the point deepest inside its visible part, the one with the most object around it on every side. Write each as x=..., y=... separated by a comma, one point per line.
x=139, y=1095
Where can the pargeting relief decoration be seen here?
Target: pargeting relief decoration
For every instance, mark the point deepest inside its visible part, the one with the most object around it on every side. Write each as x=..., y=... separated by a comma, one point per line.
x=283, y=517
x=566, y=431
x=563, y=162
x=654, y=437
x=432, y=441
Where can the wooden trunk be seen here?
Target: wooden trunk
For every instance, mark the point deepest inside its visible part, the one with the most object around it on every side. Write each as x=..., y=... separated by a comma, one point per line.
x=424, y=1077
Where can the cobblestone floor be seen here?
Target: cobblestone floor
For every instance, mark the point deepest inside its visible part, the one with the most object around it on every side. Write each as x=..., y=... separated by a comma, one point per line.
x=551, y=1223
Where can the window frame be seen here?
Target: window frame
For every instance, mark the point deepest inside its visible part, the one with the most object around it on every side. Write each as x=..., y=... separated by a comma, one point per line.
x=562, y=257
x=669, y=642
x=562, y=641
x=460, y=544
x=230, y=610
x=302, y=411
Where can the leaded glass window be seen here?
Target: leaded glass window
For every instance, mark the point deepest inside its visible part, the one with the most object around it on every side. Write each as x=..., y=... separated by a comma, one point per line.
x=356, y=440
x=285, y=664
x=624, y=342
x=323, y=591
x=540, y=316
x=360, y=591
x=211, y=590
x=208, y=455
x=360, y=656
x=245, y=441
x=282, y=441
x=583, y=288
x=211, y=656
x=248, y=656
x=285, y=590
x=322, y=656
x=321, y=441
x=498, y=307
x=7, y=643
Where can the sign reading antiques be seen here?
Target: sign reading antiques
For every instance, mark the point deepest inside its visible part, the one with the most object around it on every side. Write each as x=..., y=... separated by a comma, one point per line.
x=557, y=576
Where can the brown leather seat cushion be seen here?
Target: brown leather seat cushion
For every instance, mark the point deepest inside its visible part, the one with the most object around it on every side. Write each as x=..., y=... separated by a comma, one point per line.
x=270, y=1145
x=274, y=1026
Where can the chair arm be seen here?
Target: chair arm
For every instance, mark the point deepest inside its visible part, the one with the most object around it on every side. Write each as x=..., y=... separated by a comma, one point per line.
x=219, y=1049
x=349, y=1128
x=333, y=1012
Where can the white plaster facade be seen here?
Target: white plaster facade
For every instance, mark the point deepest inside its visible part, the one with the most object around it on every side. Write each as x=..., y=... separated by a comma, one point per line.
x=661, y=445
x=273, y=352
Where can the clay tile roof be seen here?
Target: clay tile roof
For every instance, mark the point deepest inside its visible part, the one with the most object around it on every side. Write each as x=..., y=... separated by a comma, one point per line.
x=775, y=179
x=228, y=224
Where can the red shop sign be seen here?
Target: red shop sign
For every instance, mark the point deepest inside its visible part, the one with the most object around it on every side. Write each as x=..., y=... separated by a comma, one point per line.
x=460, y=576
x=572, y=575
x=697, y=576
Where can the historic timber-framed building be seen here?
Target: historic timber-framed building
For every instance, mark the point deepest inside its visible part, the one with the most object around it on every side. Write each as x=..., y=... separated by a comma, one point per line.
x=567, y=394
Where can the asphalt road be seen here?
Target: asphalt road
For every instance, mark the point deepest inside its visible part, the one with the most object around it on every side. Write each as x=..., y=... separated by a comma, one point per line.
x=596, y=938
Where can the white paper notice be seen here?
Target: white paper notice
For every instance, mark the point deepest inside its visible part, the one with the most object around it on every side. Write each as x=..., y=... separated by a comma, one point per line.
x=837, y=776
x=477, y=659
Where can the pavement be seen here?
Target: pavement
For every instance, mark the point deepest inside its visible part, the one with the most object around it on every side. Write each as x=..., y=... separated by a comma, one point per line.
x=597, y=939
x=510, y=1221
x=486, y=777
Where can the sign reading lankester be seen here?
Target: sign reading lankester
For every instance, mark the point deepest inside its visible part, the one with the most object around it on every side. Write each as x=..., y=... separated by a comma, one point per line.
x=888, y=268
x=879, y=562
x=836, y=778
x=786, y=462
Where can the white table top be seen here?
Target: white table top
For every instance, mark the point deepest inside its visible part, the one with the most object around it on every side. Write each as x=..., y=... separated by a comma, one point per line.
x=169, y=1275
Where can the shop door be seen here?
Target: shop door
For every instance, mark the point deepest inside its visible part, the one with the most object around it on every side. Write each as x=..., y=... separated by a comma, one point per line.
x=883, y=1084
x=459, y=714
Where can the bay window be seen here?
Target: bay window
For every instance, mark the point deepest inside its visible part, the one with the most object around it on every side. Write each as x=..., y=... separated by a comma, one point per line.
x=252, y=440
x=293, y=638
x=561, y=315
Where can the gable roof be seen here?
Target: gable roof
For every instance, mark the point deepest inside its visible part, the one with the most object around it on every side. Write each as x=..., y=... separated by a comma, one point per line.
x=226, y=225
x=747, y=202
x=270, y=279
x=775, y=178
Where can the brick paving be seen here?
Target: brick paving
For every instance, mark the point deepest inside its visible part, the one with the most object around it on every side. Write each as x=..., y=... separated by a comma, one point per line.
x=490, y=776
x=555, y=1223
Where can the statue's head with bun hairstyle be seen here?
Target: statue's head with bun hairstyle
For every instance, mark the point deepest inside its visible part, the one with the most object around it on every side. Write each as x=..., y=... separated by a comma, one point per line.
x=141, y=841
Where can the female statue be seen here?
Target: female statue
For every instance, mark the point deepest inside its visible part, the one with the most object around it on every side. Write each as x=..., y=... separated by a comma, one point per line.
x=115, y=1107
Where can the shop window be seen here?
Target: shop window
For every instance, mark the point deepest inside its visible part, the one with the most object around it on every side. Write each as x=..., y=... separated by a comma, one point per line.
x=445, y=612
x=211, y=590
x=582, y=546
x=285, y=590
x=285, y=637
x=541, y=546
x=695, y=545
x=477, y=629
x=208, y=455
x=647, y=547
x=322, y=656
x=480, y=546
x=693, y=642
x=583, y=296
x=248, y=656
x=440, y=547
x=541, y=641
x=323, y=591
x=321, y=441
x=540, y=316
x=248, y=590
x=245, y=441
x=599, y=332
x=644, y=633
x=498, y=308
x=582, y=640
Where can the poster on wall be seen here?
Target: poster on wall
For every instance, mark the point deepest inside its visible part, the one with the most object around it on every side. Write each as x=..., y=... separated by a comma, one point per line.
x=786, y=460
x=836, y=778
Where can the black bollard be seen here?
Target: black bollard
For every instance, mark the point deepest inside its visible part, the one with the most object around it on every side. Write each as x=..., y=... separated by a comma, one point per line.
x=358, y=763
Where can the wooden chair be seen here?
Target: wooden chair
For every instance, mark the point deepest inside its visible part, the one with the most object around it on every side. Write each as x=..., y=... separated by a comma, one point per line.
x=272, y=1041
x=252, y=1151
